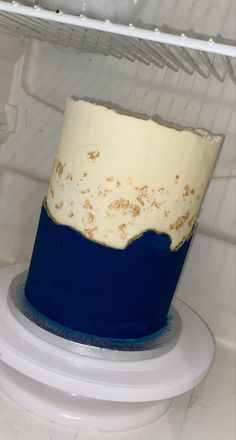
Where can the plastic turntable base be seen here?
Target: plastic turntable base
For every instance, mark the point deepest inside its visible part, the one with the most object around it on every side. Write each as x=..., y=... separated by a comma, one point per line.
x=87, y=392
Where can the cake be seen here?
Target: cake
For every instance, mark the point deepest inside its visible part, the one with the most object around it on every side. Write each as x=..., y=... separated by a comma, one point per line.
x=116, y=226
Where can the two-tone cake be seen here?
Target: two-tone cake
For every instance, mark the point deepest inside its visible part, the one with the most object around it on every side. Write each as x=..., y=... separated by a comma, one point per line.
x=117, y=222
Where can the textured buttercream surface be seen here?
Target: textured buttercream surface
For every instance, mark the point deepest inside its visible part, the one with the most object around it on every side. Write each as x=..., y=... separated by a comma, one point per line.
x=116, y=176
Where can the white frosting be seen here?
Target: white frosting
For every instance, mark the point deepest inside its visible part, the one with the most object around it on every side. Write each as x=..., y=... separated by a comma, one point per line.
x=116, y=175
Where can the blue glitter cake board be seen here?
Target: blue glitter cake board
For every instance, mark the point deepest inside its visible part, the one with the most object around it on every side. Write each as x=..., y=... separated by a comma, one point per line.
x=150, y=346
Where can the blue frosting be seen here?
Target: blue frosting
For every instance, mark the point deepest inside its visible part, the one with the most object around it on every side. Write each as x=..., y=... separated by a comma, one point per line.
x=99, y=290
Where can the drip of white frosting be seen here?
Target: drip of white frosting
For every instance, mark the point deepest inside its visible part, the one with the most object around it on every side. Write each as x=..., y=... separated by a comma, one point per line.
x=116, y=176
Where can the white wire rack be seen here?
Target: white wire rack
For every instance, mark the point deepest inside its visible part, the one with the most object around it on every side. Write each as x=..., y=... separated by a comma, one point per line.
x=177, y=52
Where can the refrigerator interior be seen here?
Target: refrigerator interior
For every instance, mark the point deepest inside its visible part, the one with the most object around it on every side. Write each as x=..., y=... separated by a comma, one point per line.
x=36, y=77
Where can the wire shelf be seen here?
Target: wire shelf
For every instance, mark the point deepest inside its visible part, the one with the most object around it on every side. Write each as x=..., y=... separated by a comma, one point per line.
x=177, y=52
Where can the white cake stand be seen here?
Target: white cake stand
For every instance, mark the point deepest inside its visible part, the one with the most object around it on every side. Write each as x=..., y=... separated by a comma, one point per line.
x=84, y=392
